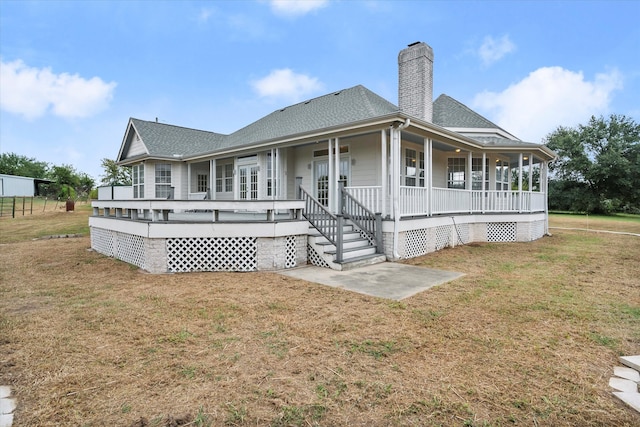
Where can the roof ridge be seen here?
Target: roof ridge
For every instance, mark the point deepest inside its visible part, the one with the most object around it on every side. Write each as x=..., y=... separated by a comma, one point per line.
x=175, y=126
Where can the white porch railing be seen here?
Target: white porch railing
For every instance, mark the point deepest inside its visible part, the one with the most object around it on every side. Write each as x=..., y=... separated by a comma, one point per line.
x=448, y=200
x=414, y=201
x=159, y=210
x=370, y=197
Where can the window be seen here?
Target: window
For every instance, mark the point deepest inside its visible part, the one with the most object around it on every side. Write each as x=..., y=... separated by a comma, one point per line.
x=202, y=182
x=163, y=180
x=410, y=167
x=137, y=181
x=478, y=176
x=456, y=174
x=224, y=178
x=502, y=175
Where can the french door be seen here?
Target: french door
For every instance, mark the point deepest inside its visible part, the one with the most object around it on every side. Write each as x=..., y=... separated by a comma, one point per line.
x=248, y=180
x=321, y=178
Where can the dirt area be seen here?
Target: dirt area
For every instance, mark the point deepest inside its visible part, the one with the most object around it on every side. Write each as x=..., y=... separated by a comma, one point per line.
x=529, y=336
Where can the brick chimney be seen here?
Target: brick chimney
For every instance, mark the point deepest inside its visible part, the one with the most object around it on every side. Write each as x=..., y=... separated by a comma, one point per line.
x=415, y=81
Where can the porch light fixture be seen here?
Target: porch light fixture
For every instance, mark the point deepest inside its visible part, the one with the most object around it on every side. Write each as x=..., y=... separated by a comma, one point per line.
x=525, y=158
x=457, y=150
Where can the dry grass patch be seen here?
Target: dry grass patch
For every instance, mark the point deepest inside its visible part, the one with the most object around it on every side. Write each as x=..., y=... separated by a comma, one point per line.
x=528, y=337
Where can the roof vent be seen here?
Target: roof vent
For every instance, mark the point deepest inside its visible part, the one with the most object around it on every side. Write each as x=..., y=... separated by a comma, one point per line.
x=413, y=44
x=338, y=93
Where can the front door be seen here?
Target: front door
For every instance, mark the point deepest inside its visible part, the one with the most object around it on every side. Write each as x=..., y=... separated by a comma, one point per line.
x=248, y=182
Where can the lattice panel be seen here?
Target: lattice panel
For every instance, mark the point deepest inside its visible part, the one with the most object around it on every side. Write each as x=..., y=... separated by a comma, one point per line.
x=102, y=241
x=501, y=232
x=315, y=259
x=443, y=237
x=291, y=255
x=462, y=235
x=416, y=244
x=212, y=254
x=537, y=230
x=131, y=249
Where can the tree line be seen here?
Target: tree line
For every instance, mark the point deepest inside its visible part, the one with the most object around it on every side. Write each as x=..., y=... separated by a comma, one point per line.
x=598, y=166
x=66, y=181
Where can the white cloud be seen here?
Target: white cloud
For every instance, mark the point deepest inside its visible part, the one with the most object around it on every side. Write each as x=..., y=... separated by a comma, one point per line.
x=294, y=8
x=547, y=98
x=32, y=92
x=493, y=50
x=204, y=15
x=286, y=84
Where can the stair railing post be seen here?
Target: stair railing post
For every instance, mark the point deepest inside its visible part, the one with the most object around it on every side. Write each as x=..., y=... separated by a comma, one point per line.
x=298, y=190
x=339, y=226
x=379, y=248
x=341, y=198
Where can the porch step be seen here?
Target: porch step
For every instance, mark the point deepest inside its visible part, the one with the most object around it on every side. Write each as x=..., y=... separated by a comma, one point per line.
x=346, y=244
x=361, y=261
x=347, y=236
x=349, y=254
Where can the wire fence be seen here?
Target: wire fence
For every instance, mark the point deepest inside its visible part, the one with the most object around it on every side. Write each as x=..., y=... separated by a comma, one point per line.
x=24, y=205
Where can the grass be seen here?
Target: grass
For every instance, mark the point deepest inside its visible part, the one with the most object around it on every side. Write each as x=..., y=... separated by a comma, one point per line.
x=529, y=336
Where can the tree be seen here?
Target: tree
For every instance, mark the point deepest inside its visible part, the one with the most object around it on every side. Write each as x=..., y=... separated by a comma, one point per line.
x=67, y=183
x=14, y=164
x=598, y=166
x=115, y=174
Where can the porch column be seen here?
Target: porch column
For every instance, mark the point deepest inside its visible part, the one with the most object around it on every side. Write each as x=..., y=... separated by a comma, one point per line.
x=336, y=171
x=273, y=169
x=429, y=177
x=188, y=180
x=469, y=180
x=544, y=184
x=469, y=183
x=330, y=180
x=384, y=186
x=530, y=172
x=520, y=183
x=485, y=179
x=425, y=179
x=212, y=179
x=395, y=171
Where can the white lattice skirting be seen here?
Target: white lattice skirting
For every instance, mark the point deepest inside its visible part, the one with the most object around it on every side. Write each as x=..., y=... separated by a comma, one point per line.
x=178, y=255
x=421, y=241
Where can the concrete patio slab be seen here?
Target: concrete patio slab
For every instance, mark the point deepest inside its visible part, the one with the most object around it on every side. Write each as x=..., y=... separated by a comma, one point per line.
x=388, y=280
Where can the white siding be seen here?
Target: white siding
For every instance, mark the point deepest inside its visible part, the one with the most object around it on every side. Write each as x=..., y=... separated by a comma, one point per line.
x=136, y=147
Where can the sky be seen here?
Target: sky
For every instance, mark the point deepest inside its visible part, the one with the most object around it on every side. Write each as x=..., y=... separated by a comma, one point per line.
x=72, y=73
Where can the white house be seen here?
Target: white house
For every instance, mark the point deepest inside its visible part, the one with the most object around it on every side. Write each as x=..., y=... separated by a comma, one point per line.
x=339, y=180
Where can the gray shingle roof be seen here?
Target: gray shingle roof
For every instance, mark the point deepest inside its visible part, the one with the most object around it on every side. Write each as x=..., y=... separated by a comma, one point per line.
x=335, y=109
x=449, y=113
x=165, y=140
